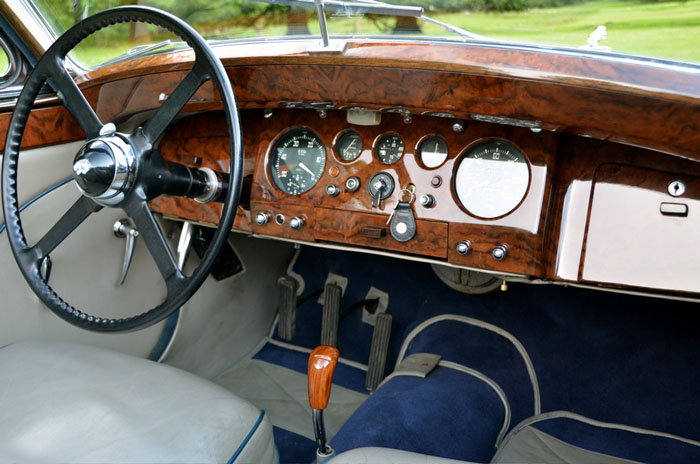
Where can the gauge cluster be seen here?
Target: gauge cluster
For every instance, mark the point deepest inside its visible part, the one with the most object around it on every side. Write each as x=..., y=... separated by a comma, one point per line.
x=469, y=193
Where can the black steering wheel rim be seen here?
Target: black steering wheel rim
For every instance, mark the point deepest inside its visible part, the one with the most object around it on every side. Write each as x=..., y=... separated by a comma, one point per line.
x=52, y=67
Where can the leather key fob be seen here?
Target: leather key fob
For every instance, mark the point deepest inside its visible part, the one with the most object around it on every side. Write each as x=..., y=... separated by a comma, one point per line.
x=403, y=223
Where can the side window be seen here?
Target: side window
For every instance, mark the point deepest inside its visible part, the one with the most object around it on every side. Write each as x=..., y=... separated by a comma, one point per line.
x=4, y=63
x=12, y=70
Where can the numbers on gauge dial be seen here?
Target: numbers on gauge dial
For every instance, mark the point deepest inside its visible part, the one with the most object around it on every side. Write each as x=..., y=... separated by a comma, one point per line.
x=349, y=145
x=491, y=179
x=389, y=148
x=297, y=161
x=433, y=151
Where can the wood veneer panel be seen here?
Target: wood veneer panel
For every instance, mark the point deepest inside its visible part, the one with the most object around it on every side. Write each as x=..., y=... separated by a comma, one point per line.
x=45, y=126
x=340, y=226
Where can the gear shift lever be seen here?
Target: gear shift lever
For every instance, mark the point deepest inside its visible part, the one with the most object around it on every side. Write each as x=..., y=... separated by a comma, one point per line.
x=322, y=361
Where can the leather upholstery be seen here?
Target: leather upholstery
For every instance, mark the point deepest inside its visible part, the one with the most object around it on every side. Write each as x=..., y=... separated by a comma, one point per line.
x=73, y=403
x=375, y=455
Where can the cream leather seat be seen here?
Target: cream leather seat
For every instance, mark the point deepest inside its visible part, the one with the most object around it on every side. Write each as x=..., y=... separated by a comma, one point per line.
x=79, y=404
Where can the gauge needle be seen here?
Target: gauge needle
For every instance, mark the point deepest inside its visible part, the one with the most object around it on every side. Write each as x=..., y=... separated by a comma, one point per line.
x=479, y=185
x=303, y=166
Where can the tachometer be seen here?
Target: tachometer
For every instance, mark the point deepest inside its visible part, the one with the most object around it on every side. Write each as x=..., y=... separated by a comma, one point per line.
x=491, y=179
x=297, y=161
x=389, y=148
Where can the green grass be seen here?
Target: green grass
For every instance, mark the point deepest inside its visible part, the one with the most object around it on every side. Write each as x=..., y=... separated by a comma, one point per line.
x=666, y=30
x=669, y=30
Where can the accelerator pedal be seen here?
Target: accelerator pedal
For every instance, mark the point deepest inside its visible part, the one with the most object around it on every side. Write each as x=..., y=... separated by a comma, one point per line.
x=379, y=350
x=287, y=307
x=332, y=294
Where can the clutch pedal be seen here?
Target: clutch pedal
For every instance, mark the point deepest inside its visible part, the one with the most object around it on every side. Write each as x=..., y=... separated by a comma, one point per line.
x=287, y=307
x=332, y=295
x=379, y=350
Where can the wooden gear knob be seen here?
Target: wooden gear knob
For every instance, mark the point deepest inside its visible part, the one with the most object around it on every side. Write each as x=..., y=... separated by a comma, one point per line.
x=322, y=361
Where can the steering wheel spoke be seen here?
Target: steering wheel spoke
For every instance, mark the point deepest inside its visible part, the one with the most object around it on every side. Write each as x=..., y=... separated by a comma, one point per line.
x=118, y=169
x=155, y=242
x=76, y=214
x=155, y=127
x=74, y=99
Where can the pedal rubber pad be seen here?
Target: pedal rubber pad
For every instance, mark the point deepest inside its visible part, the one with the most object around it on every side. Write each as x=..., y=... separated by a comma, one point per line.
x=287, y=308
x=332, y=295
x=378, y=351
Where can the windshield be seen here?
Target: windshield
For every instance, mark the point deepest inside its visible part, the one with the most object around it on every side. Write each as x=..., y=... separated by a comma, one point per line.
x=667, y=30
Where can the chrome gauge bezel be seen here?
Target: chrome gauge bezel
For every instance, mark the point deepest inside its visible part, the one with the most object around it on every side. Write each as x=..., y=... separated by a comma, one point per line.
x=419, y=151
x=336, y=148
x=271, y=157
x=379, y=139
x=458, y=163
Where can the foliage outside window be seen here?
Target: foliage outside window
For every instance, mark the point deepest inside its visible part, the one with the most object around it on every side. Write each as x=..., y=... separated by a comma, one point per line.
x=664, y=29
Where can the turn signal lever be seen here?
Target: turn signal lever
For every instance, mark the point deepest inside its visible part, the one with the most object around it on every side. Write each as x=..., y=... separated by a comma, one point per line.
x=322, y=361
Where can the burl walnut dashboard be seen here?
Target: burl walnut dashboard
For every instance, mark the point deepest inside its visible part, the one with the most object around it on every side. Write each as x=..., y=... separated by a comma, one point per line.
x=524, y=162
x=495, y=197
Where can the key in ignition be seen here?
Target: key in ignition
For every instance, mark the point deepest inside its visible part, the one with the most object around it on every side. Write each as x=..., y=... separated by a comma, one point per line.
x=381, y=186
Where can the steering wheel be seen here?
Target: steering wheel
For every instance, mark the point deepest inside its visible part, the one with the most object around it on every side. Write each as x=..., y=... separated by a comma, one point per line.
x=115, y=170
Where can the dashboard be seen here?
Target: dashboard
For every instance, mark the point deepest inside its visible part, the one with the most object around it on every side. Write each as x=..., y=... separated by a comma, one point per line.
x=527, y=164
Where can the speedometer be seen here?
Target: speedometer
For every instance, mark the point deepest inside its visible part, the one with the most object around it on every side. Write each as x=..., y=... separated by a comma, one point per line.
x=491, y=179
x=297, y=161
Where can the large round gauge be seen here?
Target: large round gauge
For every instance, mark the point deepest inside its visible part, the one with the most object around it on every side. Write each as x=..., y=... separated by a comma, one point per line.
x=389, y=148
x=349, y=145
x=491, y=179
x=433, y=151
x=297, y=161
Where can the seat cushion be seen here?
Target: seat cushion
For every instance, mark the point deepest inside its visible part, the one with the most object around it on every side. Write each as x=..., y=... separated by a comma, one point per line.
x=73, y=403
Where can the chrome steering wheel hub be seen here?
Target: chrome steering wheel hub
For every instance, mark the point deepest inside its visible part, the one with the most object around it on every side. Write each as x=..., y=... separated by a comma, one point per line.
x=104, y=169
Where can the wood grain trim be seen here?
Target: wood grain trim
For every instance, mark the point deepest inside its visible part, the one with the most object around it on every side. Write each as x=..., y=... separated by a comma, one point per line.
x=346, y=227
x=45, y=126
x=604, y=71
x=322, y=362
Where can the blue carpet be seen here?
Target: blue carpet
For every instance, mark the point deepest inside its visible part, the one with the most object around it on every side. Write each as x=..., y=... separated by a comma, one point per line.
x=448, y=414
x=293, y=448
x=345, y=376
x=612, y=357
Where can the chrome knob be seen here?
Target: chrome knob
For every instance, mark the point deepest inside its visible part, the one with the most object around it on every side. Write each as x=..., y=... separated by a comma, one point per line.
x=296, y=222
x=427, y=201
x=464, y=247
x=499, y=253
x=262, y=218
x=332, y=190
x=458, y=126
x=352, y=184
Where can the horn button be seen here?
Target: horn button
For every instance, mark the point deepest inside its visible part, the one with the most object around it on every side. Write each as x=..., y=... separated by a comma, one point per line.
x=104, y=169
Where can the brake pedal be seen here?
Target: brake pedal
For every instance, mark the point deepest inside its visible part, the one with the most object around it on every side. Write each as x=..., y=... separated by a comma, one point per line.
x=332, y=295
x=287, y=307
x=379, y=350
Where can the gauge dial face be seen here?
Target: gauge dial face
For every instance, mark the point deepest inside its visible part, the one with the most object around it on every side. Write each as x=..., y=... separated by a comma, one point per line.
x=297, y=161
x=389, y=148
x=349, y=145
x=492, y=179
x=433, y=151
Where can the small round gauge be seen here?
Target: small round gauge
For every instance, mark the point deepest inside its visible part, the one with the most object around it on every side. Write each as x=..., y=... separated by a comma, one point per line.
x=389, y=148
x=491, y=179
x=297, y=161
x=349, y=145
x=433, y=151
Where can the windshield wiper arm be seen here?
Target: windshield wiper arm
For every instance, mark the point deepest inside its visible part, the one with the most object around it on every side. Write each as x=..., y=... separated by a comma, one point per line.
x=371, y=7
x=354, y=7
